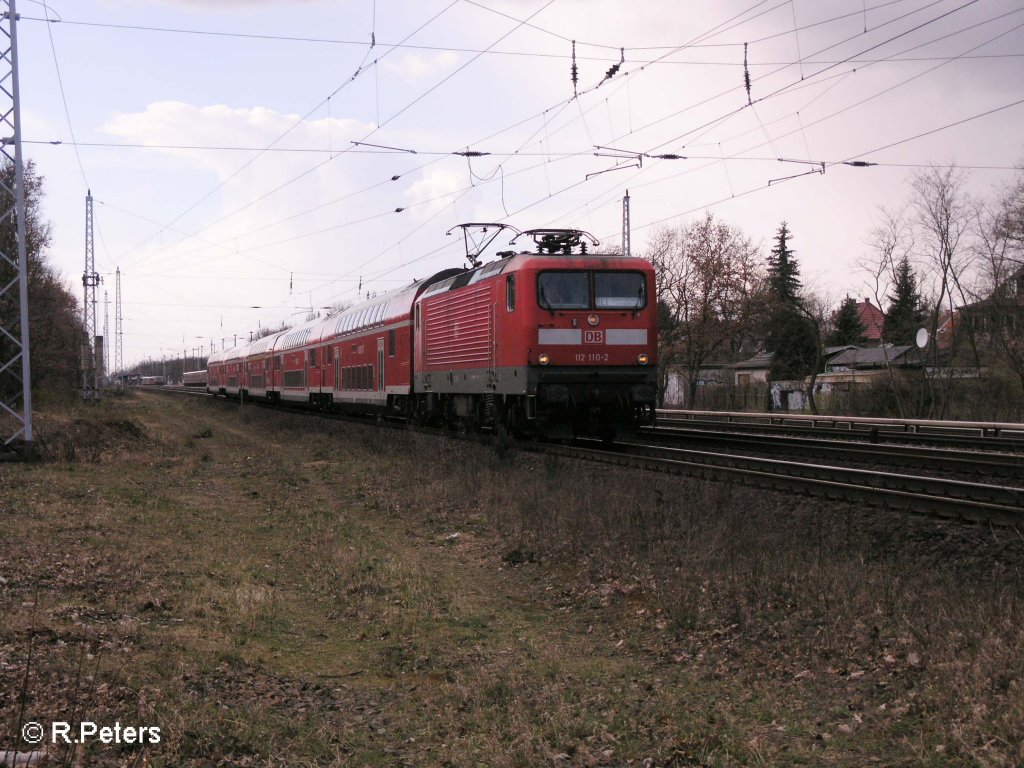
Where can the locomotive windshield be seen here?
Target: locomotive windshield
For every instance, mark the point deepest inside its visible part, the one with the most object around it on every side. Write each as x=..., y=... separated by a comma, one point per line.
x=619, y=290
x=592, y=290
x=563, y=290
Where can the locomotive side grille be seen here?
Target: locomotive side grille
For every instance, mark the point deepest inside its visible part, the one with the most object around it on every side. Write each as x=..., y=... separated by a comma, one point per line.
x=458, y=328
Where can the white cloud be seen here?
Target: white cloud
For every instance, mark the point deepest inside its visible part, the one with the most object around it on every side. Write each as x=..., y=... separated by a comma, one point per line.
x=170, y=124
x=218, y=5
x=439, y=187
x=416, y=66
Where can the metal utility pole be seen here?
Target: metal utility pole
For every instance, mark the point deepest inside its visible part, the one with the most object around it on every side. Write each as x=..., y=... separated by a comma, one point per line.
x=90, y=280
x=625, y=225
x=118, y=330
x=106, y=340
x=16, y=395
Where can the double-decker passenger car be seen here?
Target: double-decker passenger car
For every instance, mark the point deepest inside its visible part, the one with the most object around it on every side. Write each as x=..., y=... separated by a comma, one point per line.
x=194, y=378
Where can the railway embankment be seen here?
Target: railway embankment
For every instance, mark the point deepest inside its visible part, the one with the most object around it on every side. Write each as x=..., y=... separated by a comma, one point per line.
x=271, y=589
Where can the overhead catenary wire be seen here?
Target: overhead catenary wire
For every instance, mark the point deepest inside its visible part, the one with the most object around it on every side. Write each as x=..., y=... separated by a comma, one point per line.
x=717, y=27
x=722, y=26
x=489, y=168
x=401, y=111
x=293, y=126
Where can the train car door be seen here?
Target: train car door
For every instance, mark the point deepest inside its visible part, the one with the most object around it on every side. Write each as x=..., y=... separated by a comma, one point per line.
x=380, y=365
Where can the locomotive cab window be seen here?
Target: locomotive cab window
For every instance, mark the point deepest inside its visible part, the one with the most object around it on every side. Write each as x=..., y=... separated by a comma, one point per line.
x=563, y=290
x=620, y=290
x=592, y=290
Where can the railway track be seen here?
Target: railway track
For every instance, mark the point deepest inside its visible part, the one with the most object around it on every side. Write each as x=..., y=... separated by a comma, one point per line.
x=991, y=436
x=927, y=460
x=973, y=501
x=990, y=502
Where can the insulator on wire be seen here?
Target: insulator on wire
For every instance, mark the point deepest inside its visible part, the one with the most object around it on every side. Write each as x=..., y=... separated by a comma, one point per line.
x=613, y=70
x=573, y=71
x=746, y=74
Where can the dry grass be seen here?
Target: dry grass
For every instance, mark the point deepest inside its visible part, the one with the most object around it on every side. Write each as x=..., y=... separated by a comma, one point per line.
x=270, y=589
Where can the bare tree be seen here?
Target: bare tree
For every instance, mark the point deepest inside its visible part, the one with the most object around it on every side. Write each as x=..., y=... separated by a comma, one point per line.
x=943, y=215
x=705, y=276
x=996, y=319
x=891, y=243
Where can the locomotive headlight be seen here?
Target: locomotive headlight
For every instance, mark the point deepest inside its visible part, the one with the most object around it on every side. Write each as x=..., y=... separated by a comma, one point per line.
x=642, y=359
x=543, y=358
x=593, y=319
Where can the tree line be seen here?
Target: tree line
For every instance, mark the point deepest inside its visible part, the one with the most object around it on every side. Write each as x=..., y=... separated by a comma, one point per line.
x=944, y=261
x=54, y=313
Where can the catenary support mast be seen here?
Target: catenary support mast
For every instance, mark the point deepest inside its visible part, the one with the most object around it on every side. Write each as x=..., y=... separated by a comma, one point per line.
x=118, y=334
x=15, y=369
x=90, y=376
x=625, y=225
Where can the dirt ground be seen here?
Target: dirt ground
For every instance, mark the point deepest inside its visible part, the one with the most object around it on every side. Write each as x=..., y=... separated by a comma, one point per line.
x=270, y=589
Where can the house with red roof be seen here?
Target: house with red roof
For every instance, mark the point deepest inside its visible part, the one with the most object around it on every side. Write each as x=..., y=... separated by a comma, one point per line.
x=873, y=320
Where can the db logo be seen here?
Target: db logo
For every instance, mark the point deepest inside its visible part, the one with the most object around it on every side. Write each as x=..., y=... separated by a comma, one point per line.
x=593, y=337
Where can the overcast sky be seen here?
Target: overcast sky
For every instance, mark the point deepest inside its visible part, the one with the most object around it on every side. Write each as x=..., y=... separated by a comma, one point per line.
x=217, y=135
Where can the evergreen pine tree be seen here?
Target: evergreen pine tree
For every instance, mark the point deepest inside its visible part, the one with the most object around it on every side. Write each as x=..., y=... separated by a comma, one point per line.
x=791, y=335
x=783, y=270
x=905, y=314
x=847, y=328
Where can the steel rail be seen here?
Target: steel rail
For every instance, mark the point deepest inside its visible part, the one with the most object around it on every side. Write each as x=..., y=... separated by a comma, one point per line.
x=994, y=428
x=978, y=502
x=993, y=435
x=920, y=458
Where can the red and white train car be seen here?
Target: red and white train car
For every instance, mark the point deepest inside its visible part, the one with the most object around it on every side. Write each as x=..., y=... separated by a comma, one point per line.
x=194, y=379
x=560, y=343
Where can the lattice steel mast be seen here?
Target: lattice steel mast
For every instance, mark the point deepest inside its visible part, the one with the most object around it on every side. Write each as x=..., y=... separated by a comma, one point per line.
x=625, y=225
x=90, y=383
x=118, y=334
x=15, y=369
x=104, y=368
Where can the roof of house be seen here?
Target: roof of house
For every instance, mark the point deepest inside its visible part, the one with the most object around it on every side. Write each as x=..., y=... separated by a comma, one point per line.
x=760, y=360
x=870, y=357
x=872, y=318
x=831, y=352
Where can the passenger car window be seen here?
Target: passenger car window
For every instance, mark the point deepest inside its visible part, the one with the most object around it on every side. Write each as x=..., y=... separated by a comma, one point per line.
x=510, y=293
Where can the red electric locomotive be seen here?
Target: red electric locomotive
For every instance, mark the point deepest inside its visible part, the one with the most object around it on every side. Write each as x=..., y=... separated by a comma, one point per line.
x=558, y=342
